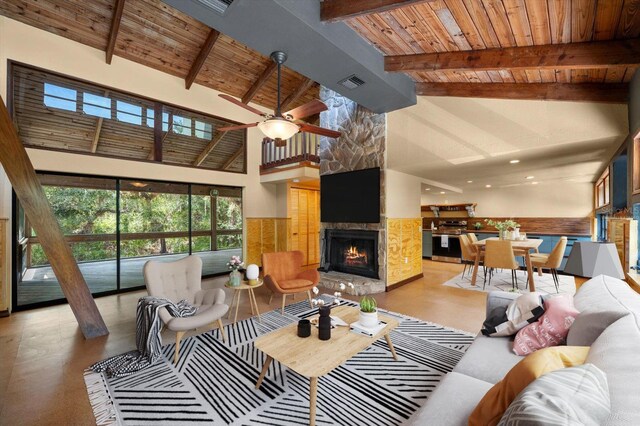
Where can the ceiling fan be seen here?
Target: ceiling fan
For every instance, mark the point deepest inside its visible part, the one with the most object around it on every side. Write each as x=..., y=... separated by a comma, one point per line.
x=281, y=126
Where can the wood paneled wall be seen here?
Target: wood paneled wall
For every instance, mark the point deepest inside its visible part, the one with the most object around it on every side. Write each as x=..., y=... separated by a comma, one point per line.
x=404, y=249
x=266, y=235
x=530, y=225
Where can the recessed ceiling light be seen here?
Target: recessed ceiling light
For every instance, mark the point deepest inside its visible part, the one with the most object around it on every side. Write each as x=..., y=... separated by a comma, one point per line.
x=427, y=189
x=529, y=177
x=469, y=181
x=296, y=180
x=534, y=183
x=442, y=192
x=487, y=186
x=514, y=161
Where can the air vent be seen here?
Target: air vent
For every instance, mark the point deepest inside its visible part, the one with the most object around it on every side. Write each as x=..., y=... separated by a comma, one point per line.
x=351, y=82
x=218, y=6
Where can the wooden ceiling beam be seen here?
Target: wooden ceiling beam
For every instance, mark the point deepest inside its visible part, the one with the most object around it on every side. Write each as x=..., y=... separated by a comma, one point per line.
x=217, y=137
x=233, y=157
x=297, y=93
x=585, y=92
x=590, y=55
x=257, y=85
x=28, y=189
x=202, y=56
x=115, y=26
x=339, y=10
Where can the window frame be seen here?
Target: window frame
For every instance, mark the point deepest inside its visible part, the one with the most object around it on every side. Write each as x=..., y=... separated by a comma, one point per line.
x=15, y=246
x=603, y=187
x=113, y=94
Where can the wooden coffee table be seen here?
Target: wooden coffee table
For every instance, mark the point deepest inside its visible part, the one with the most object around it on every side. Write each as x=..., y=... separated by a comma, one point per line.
x=312, y=357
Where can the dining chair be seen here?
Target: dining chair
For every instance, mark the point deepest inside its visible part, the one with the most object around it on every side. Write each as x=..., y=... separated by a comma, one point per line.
x=551, y=260
x=182, y=280
x=498, y=254
x=472, y=237
x=468, y=254
x=283, y=274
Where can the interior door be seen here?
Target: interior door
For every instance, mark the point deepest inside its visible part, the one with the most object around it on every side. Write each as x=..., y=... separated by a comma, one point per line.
x=303, y=224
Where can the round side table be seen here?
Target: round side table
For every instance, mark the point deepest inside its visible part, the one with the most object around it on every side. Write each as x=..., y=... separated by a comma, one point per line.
x=237, y=292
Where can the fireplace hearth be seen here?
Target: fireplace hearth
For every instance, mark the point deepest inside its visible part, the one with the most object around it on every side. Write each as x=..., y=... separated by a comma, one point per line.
x=352, y=251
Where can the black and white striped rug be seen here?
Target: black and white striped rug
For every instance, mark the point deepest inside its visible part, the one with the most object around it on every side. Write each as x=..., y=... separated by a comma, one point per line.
x=214, y=382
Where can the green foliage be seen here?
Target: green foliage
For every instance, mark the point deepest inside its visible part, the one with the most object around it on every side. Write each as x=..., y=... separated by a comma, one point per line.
x=504, y=225
x=368, y=304
x=93, y=211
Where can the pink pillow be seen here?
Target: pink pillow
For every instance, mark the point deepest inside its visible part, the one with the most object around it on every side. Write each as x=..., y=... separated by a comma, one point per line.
x=550, y=330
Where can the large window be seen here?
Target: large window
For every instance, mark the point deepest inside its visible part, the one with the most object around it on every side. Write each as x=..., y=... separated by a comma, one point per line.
x=116, y=225
x=602, y=190
x=54, y=111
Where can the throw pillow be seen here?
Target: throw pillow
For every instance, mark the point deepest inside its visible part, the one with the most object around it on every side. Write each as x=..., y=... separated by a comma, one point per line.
x=571, y=396
x=496, y=401
x=523, y=311
x=550, y=330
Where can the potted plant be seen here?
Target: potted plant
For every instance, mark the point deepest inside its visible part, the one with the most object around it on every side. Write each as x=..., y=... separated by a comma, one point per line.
x=235, y=264
x=503, y=227
x=368, y=312
x=477, y=226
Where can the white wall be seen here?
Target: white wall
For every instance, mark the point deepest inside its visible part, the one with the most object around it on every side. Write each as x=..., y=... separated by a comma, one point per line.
x=565, y=199
x=32, y=46
x=402, y=194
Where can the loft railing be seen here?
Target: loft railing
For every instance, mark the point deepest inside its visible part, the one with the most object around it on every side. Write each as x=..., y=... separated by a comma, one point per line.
x=301, y=147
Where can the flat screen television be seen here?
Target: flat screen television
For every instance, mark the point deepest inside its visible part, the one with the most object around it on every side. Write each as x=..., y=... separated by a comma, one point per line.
x=352, y=197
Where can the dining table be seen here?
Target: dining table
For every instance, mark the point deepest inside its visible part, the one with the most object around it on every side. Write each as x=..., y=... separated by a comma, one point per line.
x=520, y=248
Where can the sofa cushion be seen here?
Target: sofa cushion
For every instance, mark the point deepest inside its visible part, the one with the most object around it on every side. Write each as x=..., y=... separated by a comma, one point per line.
x=496, y=401
x=601, y=301
x=551, y=329
x=524, y=310
x=488, y=359
x=570, y=396
x=458, y=389
x=617, y=352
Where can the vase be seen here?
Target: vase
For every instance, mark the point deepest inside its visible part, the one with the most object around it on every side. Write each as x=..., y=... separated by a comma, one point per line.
x=502, y=235
x=324, y=323
x=234, y=278
x=368, y=319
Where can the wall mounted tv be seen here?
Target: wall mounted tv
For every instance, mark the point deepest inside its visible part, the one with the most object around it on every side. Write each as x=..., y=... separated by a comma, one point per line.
x=352, y=197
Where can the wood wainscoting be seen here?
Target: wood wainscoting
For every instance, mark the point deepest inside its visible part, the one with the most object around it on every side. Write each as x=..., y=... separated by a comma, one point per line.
x=266, y=235
x=404, y=250
x=531, y=225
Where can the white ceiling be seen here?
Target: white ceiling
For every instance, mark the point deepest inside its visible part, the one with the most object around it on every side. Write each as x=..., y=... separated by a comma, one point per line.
x=452, y=140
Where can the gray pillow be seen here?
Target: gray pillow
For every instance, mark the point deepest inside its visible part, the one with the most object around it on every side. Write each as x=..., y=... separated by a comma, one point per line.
x=588, y=326
x=570, y=396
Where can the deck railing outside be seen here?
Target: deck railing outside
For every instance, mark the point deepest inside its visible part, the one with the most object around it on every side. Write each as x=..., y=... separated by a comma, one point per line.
x=301, y=147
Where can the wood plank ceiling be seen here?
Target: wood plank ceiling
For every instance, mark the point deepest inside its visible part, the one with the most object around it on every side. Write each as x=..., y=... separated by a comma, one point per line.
x=407, y=27
x=154, y=34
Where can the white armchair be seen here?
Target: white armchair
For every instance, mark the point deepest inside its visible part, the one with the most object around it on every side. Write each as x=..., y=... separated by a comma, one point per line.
x=180, y=280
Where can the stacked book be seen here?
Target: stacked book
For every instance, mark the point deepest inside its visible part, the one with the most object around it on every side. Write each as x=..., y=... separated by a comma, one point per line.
x=358, y=328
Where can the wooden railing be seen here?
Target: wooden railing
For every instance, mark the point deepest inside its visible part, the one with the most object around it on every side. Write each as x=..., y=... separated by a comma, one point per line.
x=301, y=147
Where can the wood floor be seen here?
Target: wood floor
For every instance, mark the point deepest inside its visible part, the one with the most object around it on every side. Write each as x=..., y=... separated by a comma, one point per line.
x=43, y=354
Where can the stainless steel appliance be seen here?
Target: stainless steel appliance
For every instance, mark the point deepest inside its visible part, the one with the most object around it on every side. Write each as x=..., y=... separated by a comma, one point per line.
x=446, y=241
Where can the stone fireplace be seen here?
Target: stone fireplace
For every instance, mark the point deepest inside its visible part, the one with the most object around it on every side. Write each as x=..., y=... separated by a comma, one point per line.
x=361, y=146
x=352, y=252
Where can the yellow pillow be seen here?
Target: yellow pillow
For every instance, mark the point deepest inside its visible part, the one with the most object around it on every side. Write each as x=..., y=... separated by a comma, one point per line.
x=499, y=397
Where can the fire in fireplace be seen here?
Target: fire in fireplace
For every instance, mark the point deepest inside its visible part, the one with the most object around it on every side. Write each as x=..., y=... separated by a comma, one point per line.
x=355, y=257
x=352, y=251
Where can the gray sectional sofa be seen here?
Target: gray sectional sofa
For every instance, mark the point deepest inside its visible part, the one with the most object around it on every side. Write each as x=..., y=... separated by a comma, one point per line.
x=609, y=322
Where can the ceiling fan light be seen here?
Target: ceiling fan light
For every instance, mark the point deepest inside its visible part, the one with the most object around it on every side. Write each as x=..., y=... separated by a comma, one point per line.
x=278, y=128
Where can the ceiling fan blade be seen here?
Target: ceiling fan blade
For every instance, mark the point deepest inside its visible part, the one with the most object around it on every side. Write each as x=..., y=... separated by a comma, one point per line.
x=310, y=108
x=242, y=105
x=241, y=126
x=310, y=128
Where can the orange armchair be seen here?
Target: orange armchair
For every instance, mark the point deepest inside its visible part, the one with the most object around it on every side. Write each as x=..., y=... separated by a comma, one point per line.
x=283, y=274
